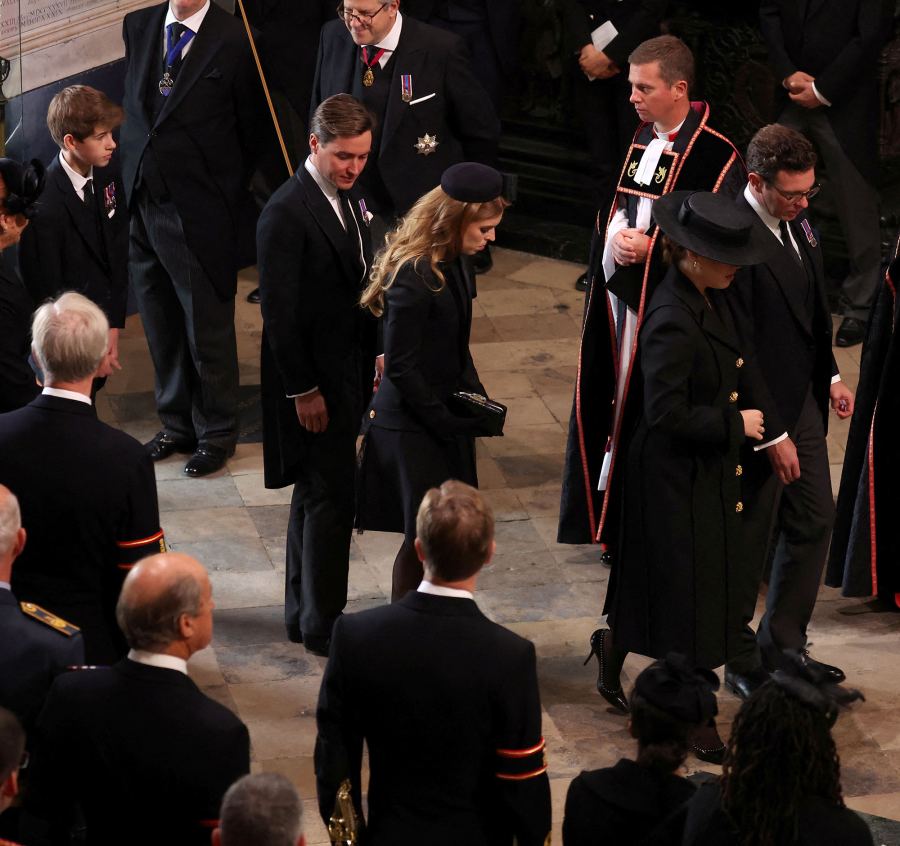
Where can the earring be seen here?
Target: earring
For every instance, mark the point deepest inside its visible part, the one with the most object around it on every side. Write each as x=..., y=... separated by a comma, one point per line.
x=695, y=265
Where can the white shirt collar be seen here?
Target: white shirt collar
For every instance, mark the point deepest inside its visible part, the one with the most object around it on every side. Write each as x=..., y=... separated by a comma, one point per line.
x=672, y=133
x=329, y=189
x=392, y=39
x=193, y=22
x=78, y=181
x=157, y=659
x=64, y=394
x=772, y=222
x=5, y=586
x=439, y=590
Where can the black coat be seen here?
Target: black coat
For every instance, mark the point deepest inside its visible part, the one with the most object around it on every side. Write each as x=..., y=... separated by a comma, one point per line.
x=626, y=803
x=838, y=43
x=32, y=655
x=415, y=440
x=90, y=513
x=790, y=343
x=707, y=161
x=461, y=114
x=203, y=141
x=61, y=251
x=314, y=332
x=17, y=382
x=865, y=545
x=821, y=824
x=141, y=750
x=441, y=696
x=635, y=21
x=681, y=521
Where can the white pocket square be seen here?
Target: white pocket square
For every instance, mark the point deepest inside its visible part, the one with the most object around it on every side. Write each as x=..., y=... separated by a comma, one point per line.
x=422, y=99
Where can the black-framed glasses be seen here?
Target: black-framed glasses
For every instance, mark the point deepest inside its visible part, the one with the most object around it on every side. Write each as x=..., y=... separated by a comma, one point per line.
x=364, y=19
x=796, y=196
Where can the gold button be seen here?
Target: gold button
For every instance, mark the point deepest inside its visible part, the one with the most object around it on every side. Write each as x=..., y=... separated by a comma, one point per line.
x=733, y=396
x=739, y=471
x=372, y=414
x=739, y=362
x=739, y=507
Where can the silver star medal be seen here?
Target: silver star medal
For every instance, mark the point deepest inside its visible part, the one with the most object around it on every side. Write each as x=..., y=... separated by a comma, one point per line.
x=427, y=144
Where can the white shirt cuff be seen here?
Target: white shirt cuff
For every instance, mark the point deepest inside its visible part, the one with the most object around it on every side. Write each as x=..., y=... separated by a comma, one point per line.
x=836, y=378
x=767, y=444
x=819, y=96
x=305, y=393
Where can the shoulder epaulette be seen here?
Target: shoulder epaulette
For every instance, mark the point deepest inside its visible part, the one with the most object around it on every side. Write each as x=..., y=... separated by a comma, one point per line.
x=42, y=615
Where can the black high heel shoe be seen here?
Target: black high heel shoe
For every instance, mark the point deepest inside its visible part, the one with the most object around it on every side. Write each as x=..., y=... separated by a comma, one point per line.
x=707, y=745
x=614, y=695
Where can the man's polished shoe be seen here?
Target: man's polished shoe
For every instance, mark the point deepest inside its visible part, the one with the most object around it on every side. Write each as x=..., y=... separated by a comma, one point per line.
x=850, y=333
x=821, y=673
x=253, y=296
x=581, y=282
x=317, y=644
x=163, y=445
x=207, y=459
x=743, y=685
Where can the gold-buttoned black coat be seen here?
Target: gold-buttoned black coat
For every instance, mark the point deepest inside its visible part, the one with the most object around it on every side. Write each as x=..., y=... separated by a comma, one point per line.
x=676, y=585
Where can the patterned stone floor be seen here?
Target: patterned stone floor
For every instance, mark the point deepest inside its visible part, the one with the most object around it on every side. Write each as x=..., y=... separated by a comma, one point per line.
x=526, y=326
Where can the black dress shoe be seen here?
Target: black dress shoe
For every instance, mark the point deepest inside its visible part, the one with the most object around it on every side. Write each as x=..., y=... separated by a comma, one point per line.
x=294, y=635
x=821, y=673
x=581, y=282
x=207, y=459
x=707, y=745
x=317, y=644
x=163, y=445
x=743, y=685
x=608, y=684
x=253, y=296
x=850, y=333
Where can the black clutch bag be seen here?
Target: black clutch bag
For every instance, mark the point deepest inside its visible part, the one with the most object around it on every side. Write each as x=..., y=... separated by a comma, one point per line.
x=490, y=412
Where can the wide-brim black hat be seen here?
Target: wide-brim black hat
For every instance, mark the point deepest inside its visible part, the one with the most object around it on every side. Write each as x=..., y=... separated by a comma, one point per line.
x=711, y=225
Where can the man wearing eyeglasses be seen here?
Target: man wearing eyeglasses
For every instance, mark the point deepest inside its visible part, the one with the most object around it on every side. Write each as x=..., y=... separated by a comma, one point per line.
x=783, y=321
x=417, y=80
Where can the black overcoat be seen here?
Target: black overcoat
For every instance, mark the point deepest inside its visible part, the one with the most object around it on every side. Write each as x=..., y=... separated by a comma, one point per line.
x=314, y=332
x=63, y=249
x=109, y=738
x=681, y=531
x=448, y=705
x=865, y=547
x=414, y=440
x=17, y=384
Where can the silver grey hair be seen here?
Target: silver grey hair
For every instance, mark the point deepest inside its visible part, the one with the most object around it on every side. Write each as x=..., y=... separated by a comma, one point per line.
x=70, y=336
x=261, y=810
x=153, y=624
x=10, y=519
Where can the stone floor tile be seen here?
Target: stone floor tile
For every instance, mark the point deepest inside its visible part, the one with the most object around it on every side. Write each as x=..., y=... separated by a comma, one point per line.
x=483, y=331
x=536, y=327
x=254, y=492
x=300, y=771
x=525, y=300
x=247, y=458
x=507, y=385
x=191, y=494
x=203, y=668
x=235, y=554
x=276, y=549
x=522, y=471
x=528, y=411
x=505, y=505
x=288, y=737
x=542, y=439
x=170, y=468
x=548, y=380
x=247, y=590
x=286, y=698
x=880, y=804
x=248, y=626
x=517, y=355
x=559, y=404
x=549, y=274
x=539, y=602
x=489, y=473
x=208, y=524
x=507, y=262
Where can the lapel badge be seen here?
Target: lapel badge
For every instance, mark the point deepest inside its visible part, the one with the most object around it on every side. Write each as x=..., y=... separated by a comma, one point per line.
x=427, y=144
x=808, y=231
x=366, y=214
x=406, y=87
x=109, y=198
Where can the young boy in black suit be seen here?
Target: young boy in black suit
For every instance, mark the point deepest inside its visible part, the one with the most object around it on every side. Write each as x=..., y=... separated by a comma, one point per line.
x=78, y=241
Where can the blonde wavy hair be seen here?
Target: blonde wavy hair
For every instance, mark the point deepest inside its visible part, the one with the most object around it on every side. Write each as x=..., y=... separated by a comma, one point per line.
x=432, y=230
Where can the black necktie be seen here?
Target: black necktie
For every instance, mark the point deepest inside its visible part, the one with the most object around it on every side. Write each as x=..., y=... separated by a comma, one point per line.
x=93, y=209
x=788, y=244
x=353, y=232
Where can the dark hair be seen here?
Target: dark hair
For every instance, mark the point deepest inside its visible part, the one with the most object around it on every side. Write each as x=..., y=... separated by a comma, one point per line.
x=662, y=739
x=456, y=527
x=780, y=752
x=340, y=116
x=776, y=147
x=676, y=61
x=78, y=110
x=20, y=186
x=12, y=743
x=672, y=252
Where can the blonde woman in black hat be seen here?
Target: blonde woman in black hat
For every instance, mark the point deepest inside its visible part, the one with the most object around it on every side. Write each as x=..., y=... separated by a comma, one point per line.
x=422, y=286
x=20, y=187
x=677, y=581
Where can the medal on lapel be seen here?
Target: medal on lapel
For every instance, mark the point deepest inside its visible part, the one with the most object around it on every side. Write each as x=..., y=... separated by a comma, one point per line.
x=166, y=84
x=808, y=232
x=426, y=145
x=369, y=75
x=406, y=91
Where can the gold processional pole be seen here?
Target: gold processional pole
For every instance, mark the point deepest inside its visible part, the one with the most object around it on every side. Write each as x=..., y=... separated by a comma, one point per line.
x=343, y=827
x=262, y=79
